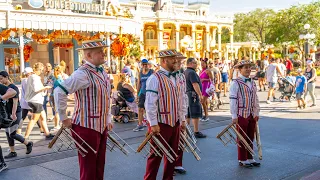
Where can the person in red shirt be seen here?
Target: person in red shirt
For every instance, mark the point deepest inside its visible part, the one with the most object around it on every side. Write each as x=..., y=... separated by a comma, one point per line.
x=289, y=65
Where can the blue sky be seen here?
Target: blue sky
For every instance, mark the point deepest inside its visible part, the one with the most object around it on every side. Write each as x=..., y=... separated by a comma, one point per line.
x=234, y=6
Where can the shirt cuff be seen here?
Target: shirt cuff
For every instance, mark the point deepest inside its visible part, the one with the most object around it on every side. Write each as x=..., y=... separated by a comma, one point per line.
x=234, y=116
x=63, y=115
x=256, y=114
x=109, y=118
x=153, y=123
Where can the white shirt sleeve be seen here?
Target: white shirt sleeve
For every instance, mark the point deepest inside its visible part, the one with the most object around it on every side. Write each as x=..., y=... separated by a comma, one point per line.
x=78, y=80
x=233, y=95
x=256, y=106
x=184, y=98
x=151, y=102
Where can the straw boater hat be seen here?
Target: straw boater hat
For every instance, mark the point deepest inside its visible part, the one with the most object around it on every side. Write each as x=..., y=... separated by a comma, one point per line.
x=170, y=53
x=243, y=62
x=90, y=44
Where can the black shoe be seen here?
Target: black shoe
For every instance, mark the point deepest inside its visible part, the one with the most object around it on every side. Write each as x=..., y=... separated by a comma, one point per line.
x=199, y=135
x=11, y=155
x=255, y=164
x=313, y=105
x=245, y=165
x=180, y=171
x=3, y=166
x=49, y=137
x=260, y=90
x=29, y=147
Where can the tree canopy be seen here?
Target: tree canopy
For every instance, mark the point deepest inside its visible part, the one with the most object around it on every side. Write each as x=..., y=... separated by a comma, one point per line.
x=270, y=27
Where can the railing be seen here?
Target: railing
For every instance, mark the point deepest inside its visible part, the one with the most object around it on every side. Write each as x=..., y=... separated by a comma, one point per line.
x=191, y=2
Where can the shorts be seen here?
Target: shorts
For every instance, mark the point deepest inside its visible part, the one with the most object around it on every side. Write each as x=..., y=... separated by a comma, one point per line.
x=299, y=96
x=261, y=74
x=142, y=99
x=272, y=85
x=288, y=71
x=224, y=77
x=195, y=107
x=35, y=107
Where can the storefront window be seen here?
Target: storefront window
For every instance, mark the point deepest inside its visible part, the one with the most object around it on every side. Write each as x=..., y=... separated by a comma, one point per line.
x=12, y=61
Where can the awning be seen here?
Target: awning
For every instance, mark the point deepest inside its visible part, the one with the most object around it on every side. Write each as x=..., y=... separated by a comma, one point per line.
x=43, y=20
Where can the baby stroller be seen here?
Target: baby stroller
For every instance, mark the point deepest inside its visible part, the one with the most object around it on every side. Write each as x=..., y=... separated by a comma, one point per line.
x=287, y=89
x=215, y=102
x=120, y=110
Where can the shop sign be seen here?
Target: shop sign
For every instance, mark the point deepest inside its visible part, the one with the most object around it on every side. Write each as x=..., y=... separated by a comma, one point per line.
x=67, y=5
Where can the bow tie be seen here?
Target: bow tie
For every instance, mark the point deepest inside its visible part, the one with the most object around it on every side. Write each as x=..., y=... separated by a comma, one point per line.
x=247, y=80
x=174, y=74
x=99, y=69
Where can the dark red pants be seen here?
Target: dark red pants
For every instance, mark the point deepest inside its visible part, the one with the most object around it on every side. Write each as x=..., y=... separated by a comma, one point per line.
x=171, y=135
x=248, y=125
x=179, y=159
x=92, y=165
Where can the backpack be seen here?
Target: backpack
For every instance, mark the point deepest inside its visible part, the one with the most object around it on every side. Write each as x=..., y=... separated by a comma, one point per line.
x=5, y=121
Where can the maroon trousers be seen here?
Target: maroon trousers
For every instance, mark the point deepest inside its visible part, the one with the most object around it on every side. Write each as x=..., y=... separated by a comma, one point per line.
x=179, y=159
x=171, y=136
x=92, y=165
x=248, y=125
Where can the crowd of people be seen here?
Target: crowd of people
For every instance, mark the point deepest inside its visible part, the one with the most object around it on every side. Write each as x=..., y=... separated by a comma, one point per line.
x=30, y=101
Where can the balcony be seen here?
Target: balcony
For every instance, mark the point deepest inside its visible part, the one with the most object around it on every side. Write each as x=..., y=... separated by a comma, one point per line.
x=177, y=1
x=192, y=2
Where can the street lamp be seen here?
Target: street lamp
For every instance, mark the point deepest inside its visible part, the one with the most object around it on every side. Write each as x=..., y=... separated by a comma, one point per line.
x=21, y=40
x=308, y=38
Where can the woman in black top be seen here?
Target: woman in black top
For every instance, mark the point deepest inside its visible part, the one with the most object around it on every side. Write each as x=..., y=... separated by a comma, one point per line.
x=311, y=75
x=14, y=110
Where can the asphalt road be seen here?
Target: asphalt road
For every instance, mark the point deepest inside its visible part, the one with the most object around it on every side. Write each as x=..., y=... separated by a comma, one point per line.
x=289, y=138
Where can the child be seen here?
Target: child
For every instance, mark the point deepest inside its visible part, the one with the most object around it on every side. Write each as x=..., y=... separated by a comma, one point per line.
x=301, y=86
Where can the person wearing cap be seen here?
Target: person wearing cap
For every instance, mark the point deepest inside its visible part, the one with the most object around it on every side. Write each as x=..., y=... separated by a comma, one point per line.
x=14, y=111
x=152, y=65
x=144, y=74
x=301, y=88
x=127, y=69
x=92, y=115
x=34, y=95
x=311, y=75
x=244, y=108
x=164, y=112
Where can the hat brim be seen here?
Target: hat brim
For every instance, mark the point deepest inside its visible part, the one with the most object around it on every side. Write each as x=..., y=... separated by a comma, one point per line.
x=176, y=56
x=238, y=65
x=91, y=47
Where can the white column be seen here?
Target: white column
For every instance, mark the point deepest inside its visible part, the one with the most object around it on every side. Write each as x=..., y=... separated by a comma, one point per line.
x=214, y=33
x=194, y=36
x=250, y=54
x=142, y=39
x=108, y=49
x=254, y=56
x=236, y=50
x=231, y=43
x=219, y=41
x=208, y=38
x=177, y=37
x=21, y=46
x=160, y=36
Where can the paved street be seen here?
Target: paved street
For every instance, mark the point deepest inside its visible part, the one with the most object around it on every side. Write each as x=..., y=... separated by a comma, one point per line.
x=289, y=138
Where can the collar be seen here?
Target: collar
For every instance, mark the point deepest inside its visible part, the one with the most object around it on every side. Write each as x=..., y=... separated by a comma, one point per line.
x=165, y=71
x=97, y=68
x=190, y=68
x=90, y=64
x=243, y=78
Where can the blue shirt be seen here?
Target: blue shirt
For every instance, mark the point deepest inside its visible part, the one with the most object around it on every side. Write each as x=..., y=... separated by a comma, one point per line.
x=300, y=83
x=143, y=81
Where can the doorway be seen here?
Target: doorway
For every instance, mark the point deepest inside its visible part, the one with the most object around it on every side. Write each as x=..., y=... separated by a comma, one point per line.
x=66, y=55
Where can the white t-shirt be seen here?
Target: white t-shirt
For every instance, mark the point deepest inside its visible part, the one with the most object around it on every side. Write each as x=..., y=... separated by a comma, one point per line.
x=224, y=68
x=23, y=102
x=282, y=68
x=272, y=75
x=34, y=84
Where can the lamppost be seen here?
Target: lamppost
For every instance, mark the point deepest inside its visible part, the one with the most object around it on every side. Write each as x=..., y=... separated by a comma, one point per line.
x=307, y=38
x=21, y=40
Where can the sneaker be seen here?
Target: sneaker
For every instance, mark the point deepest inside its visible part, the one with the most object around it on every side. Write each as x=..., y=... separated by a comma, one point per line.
x=274, y=99
x=3, y=166
x=304, y=106
x=204, y=119
x=138, y=128
x=49, y=137
x=11, y=155
x=199, y=135
x=268, y=102
x=313, y=105
x=299, y=107
x=29, y=147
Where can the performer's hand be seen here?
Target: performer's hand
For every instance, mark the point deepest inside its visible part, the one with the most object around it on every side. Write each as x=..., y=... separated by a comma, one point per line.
x=67, y=123
x=155, y=129
x=110, y=126
x=14, y=117
x=256, y=118
x=183, y=126
x=235, y=121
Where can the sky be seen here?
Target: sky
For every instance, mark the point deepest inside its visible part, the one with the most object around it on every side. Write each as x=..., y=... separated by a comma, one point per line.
x=235, y=6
